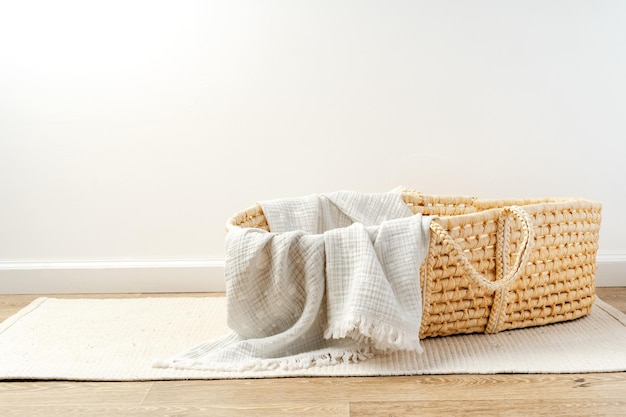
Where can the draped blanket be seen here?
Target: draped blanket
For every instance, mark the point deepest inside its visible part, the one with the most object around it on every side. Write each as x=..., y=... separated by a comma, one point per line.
x=336, y=280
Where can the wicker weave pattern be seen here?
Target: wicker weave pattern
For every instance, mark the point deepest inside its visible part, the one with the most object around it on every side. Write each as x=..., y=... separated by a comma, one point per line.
x=527, y=262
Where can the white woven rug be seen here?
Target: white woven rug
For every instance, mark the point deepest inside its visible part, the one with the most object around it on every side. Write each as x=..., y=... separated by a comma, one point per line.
x=120, y=339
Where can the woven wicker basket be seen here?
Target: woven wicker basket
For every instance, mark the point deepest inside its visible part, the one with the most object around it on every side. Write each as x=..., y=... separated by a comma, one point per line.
x=495, y=265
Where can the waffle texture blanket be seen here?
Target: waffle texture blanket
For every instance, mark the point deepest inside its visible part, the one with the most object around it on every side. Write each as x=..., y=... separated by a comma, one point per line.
x=336, y=280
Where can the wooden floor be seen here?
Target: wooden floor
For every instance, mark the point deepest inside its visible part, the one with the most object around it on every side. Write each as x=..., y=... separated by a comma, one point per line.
x=602, y=394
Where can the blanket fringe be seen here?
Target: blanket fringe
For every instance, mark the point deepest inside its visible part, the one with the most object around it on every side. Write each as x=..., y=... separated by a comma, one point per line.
x=381, y=335
x=296, y=362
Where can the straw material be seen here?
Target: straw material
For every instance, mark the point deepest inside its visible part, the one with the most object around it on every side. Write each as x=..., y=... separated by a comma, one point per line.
x=495, y=265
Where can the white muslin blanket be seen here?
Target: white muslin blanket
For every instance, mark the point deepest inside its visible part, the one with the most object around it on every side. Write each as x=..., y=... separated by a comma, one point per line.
x=336, y=280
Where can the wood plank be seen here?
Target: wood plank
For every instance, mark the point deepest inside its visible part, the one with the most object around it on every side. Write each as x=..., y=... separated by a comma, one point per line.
x=395, y=396
x=358, y=389
x=284, y=410
x=11, y=304
x=62, y=393
x=495, y=407
x=616, y=296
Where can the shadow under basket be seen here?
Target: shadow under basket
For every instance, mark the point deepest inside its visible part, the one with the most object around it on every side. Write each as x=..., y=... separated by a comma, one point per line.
x=496, y=265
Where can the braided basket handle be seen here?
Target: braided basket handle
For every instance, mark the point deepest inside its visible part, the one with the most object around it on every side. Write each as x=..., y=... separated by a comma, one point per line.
x=508, y=275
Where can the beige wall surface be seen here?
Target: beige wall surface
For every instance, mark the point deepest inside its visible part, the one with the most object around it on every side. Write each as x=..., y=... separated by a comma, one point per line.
x=131, y=130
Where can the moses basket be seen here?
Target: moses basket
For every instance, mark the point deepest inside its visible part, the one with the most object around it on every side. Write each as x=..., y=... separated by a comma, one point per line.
x=496, y=265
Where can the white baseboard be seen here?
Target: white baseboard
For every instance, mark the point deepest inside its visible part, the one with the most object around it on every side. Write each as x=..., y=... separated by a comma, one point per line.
x=611, y=270
x=204, y=275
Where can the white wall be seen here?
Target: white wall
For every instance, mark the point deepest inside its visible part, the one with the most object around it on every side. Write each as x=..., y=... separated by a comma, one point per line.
x=131, y=130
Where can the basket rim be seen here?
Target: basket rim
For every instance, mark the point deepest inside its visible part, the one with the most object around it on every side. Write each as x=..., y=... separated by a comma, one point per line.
x=485, y=208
